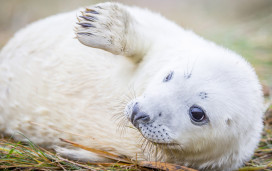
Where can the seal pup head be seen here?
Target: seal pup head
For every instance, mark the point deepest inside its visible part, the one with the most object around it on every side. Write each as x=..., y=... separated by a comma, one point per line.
x=205, y=114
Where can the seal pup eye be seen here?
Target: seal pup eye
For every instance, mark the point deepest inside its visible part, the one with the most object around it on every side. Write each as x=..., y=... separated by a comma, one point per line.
x=197, y=115
x=168, y=77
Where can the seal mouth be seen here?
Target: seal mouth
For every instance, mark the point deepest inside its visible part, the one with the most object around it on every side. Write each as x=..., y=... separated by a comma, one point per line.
x=170, y=146
x=166, y=144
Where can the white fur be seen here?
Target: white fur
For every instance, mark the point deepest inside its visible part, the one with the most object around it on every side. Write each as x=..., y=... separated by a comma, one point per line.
x=52, y=86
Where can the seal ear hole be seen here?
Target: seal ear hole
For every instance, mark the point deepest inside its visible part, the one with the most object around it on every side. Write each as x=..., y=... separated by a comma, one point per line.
x=228, y=121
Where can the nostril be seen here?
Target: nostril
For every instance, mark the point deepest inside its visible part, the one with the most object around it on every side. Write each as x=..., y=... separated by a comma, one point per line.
x=135, y=110
x=141, y=117
x=137, y=116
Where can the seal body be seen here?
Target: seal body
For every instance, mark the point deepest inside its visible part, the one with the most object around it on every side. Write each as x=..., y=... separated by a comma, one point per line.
x=201, y=105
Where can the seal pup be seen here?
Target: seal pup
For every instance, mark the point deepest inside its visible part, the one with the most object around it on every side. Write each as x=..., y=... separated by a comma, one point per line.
x=196, y=103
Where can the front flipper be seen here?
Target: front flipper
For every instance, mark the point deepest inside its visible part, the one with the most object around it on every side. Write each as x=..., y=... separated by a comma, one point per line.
x=105, y=26
x=110, y=26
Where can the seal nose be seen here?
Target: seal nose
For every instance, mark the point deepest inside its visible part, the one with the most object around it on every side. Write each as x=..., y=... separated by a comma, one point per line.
x=137, y=116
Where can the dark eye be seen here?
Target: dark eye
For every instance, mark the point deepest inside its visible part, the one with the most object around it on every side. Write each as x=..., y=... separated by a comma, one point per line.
x=168, y=77
x=197, y=114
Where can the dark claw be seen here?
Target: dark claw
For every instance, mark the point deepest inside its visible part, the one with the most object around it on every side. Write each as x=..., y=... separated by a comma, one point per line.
x=86, y=24
x=85, y=34
x=91, y=11
x=89, y=18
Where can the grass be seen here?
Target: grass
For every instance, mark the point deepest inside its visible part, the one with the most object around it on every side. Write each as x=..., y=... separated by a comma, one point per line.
x=28, y=156
x=262, y=159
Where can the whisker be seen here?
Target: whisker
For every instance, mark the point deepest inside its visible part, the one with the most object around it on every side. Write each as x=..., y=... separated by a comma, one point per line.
x=118, y=116
x=172, y=153
x=156, y=153
x=193, y=66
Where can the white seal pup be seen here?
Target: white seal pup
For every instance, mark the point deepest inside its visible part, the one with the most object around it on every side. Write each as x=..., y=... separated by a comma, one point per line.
x=199, y=104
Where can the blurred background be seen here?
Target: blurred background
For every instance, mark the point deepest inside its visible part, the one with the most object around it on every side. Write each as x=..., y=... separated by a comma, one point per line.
x=244, y=26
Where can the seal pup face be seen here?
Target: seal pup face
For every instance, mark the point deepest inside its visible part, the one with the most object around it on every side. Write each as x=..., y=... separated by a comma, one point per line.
x=171, y=108
x=211, y=110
